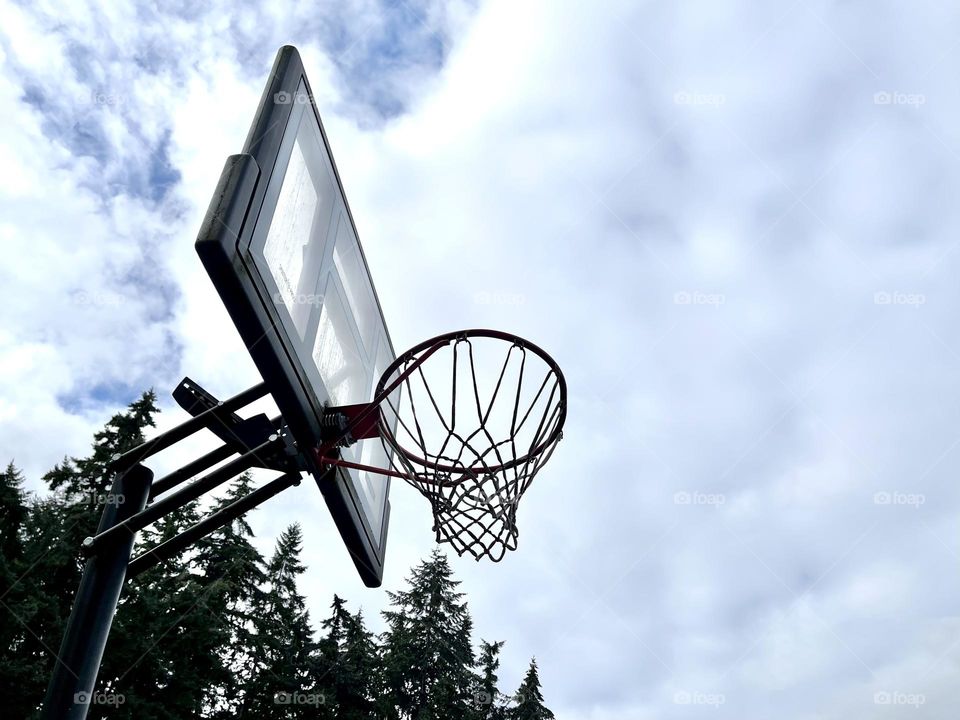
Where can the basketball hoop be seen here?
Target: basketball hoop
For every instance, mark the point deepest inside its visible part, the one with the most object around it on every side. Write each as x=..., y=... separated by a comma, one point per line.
x=468, y=418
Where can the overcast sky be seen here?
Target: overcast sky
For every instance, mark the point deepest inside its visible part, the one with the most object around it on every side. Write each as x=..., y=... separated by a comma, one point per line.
x=733, y=223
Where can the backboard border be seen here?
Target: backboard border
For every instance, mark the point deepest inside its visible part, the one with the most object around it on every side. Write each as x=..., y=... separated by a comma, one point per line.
x=222, y=244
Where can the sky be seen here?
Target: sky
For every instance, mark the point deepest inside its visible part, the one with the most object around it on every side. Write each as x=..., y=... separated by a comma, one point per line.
x=731, y=223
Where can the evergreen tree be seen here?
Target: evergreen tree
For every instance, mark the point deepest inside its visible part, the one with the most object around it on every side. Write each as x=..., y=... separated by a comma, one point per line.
x=124, y=431
x=81, y=486
x=428, y=657
x=21, y=665
x=233, y=567
x=280, y=681
x=53, y=530
x=218, y=633
x=32, y=604
x=529, y=699
x=348, y=666
x=13, y=515
x=326, y=658
x=488, y=701
x=358, y=695
x=166, y=646
x=194, y=611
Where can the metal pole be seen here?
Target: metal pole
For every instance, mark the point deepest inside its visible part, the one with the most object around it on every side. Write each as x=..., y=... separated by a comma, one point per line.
x=201, y=464
x=190, y=470
x=75, y=673
x=163, y=506
x=185, y=430
x=176, y=545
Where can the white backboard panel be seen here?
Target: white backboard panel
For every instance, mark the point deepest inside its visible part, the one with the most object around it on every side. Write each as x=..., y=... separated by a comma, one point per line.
x=281, y=246
x=325, y=295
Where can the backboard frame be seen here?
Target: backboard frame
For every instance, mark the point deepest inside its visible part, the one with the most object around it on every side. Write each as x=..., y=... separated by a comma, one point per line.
x=224, y=246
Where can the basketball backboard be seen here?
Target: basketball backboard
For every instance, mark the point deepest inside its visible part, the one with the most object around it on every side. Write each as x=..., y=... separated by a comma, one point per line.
x=280, y=244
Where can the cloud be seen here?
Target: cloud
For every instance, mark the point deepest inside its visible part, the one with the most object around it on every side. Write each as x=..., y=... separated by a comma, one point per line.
x=741, y=255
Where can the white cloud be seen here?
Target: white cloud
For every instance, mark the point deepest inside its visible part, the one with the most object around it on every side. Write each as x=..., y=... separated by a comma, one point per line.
x=743, y=263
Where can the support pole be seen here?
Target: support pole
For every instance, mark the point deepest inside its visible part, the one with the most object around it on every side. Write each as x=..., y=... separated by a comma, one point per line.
x=176, y=545
x=159, y=508
x=202, y=464
x=185, y=430
x=190, y=470
x=75, y=673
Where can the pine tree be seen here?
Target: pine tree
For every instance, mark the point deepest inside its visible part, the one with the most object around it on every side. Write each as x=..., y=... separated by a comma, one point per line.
x=53, y=530
x=326, y=657
x=167, y=638
x=360, y=692
x=33, y=603
x=13, y=514
x=280, y=682
x=218, y=633
x=230, y=564
x=488, y=701
x=82, y=486
x=21, y=667
x=529, y=699
x=124, y=431
x=347, y=666
x=428, y=657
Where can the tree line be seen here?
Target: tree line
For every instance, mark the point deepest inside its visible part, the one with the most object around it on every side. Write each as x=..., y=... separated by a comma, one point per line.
x=223, y=632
